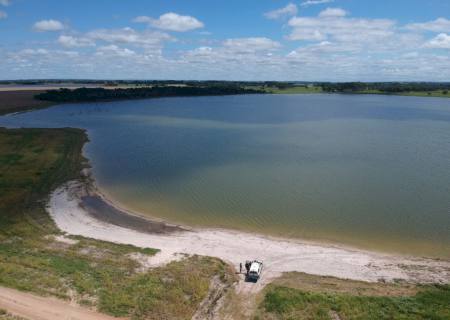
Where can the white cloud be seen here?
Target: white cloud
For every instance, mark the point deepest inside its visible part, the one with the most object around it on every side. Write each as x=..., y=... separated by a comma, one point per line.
x=3, y=15
x=142, y=19
x=202, y=51
x=314, y=2
x=441, y=41
x=130, y=36
x=409, y=55
x=334, y=26
x=324, y=48
x=288, y=10
x=72, y=42
x=307, y=34
x=438, y=25
x=248, y=45
x=5, y=2
x=246, y=56
x=28, y=52
x=332, y=12
x=338, y=47
x=48, y=25
x=172, y=22
x=113, y=50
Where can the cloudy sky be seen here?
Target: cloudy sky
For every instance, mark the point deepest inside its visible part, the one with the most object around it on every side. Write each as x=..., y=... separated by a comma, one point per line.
x=315, y=40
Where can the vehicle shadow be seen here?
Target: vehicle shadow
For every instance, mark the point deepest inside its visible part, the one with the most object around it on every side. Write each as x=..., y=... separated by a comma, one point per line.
x=250, y=279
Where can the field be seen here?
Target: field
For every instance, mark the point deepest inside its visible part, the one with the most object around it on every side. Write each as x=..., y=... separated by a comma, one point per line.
x=318, y=89
x=35, y=257
x=294, y=90
x=302, y=296
x=20, y=100
x=434, y=93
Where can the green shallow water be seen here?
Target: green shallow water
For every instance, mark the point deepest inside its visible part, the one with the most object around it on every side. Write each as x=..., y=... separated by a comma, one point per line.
x=370, y=171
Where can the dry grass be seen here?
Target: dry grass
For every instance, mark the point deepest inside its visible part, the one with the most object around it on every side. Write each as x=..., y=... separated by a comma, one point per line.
x=311, y=283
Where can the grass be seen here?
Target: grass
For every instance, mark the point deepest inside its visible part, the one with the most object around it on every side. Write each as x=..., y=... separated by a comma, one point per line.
x=94, y=273
x=435, y=93
x=318, y=89
x=301, y=296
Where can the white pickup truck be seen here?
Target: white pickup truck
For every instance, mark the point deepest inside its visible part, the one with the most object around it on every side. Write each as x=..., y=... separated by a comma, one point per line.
x=255, y=270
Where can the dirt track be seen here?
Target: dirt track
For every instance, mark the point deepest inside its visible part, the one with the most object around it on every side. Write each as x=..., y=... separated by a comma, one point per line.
x=34, y=307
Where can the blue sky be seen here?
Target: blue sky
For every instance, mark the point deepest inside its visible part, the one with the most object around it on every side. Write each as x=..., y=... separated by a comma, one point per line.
x=315, y=40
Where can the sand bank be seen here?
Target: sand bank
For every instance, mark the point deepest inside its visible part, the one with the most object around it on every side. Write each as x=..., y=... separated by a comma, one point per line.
x=72, y=214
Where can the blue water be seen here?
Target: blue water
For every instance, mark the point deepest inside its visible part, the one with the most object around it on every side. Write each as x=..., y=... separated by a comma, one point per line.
x=367, y=170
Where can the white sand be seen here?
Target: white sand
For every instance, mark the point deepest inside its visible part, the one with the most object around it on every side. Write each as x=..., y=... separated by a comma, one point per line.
x=279, y=255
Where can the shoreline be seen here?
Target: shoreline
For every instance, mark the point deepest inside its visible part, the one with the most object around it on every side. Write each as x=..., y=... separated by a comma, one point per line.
x=33, y=104
x=67, y=207
x=96, y=190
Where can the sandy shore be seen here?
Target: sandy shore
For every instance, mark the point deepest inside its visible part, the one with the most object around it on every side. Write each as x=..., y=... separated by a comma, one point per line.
x=66, y=206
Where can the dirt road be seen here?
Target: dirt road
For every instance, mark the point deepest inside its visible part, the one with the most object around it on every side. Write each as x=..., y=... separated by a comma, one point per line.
x=33, y=307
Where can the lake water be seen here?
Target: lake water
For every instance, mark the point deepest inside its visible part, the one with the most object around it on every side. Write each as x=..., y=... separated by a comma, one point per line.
x=371, y=171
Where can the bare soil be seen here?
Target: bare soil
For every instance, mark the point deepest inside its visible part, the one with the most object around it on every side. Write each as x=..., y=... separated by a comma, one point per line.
x=20, y=100
x=33, y=307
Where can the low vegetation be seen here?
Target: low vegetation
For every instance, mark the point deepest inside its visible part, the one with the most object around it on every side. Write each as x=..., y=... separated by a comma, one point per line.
x=298, y=89
x=35, y=257
x=4, y=315
x=302, y=296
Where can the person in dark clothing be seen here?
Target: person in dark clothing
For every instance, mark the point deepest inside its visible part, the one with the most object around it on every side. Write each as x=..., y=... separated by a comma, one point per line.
x=240, y=267
x=247, y=266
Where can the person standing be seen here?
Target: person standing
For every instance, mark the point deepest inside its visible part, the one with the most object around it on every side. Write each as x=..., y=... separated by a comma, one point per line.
x=240, y=267
x=247, y=266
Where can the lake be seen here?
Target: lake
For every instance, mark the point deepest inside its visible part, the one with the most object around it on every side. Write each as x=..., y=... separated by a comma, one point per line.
x=366, y=170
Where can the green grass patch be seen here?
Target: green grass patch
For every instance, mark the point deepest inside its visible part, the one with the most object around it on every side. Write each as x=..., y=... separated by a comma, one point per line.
x=434, y=93
x=430, y=302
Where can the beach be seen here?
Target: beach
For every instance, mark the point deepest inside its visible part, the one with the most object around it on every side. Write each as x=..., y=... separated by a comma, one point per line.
x=68, y=209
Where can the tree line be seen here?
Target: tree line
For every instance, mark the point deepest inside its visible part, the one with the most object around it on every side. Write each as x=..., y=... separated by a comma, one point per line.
x=102, y=94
